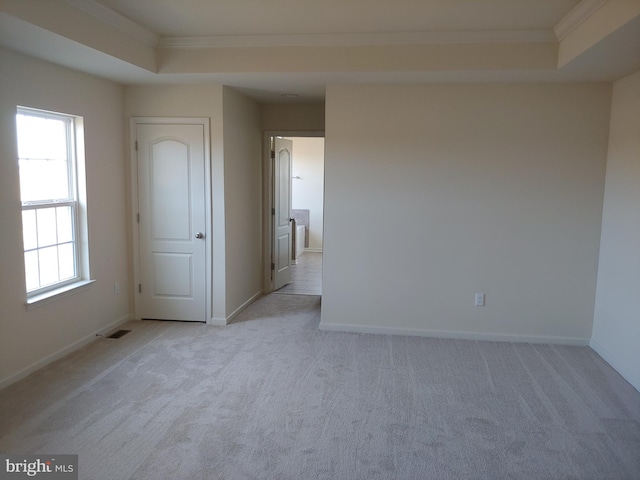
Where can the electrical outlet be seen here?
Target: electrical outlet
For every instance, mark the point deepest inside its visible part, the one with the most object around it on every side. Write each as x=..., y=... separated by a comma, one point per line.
x=479, y=300
x=116, y=288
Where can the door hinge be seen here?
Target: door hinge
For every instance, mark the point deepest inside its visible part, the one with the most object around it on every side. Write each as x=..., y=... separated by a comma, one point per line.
x=136, y=145
x=273, y=266
x=138, y=218
x=273, y=211
x=139, y=288
x=273, y=154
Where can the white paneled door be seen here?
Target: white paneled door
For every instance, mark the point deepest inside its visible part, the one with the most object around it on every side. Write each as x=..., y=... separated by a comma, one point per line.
x=172, y=222
x=282, y=213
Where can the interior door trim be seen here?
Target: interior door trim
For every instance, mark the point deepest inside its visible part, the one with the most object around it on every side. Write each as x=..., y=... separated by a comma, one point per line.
x=133, y=170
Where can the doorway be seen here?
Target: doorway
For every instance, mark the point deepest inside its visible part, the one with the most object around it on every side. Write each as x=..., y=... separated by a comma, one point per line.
x=306, y=187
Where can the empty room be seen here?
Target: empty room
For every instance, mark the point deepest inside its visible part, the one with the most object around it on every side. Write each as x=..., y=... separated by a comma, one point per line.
x=473, y=308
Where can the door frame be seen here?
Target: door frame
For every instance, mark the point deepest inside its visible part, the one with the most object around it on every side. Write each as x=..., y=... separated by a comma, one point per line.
x=268, y=199
x=134, y=204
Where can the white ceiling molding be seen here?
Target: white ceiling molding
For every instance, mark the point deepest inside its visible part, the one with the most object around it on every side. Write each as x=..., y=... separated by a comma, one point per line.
x=353, y=39
x=116, y=20
x=576, y=16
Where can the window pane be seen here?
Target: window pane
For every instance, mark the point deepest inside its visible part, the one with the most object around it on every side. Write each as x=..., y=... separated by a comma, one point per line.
x=65, y=225
x=66, y=262
x=43, y=138
x=42, y=149
x=46, y=226
x=48, y=191
x=31, y=270
x=44, y=180
x=48, y=265
x=29, y=232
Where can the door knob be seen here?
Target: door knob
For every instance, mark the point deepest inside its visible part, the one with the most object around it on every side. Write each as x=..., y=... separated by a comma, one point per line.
x=199, y=235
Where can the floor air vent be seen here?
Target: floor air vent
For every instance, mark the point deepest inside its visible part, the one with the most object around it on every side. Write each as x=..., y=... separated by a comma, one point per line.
x=119, y=333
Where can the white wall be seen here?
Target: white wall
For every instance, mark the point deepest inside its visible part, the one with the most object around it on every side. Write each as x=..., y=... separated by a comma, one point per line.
x=243, y=200
x=29, y=338
x=435, y=192
x=616, y=328
x=293, y=117
x=307, y=192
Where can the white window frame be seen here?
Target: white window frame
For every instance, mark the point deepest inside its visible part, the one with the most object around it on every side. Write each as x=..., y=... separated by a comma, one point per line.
x=77, y=202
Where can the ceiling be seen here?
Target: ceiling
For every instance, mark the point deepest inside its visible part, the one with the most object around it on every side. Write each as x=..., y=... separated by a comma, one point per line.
x=267, y=48
x=274, y=17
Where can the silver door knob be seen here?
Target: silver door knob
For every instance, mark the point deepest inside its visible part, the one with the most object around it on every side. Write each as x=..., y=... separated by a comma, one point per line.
x=199, y=235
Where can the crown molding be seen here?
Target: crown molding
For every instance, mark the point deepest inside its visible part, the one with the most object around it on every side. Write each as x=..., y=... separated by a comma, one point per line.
x=116, y=20
x=359, y=39
x=576, y=16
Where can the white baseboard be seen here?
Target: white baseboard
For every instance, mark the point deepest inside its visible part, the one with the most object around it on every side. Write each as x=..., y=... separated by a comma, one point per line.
x=491, y=337
x=313, y=250
x=87, y=339
x=631, y=376
x=222, y=321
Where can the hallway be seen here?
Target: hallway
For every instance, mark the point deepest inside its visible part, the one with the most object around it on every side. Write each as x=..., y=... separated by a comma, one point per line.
x=306, y=276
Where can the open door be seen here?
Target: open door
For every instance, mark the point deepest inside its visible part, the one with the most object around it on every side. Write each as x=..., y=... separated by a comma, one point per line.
x=282, y=156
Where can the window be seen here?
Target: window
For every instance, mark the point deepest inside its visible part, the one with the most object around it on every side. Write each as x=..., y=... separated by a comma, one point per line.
x=52, y=222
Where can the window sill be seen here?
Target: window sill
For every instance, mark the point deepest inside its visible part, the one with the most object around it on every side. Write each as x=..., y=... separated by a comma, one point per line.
x=53, y=295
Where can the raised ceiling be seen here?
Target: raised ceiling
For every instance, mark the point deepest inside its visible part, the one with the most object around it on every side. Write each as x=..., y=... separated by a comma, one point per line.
x=286, y=17
x=270, y=47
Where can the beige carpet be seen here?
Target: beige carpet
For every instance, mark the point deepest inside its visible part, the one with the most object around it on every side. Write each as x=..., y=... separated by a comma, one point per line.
x=272, y=397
